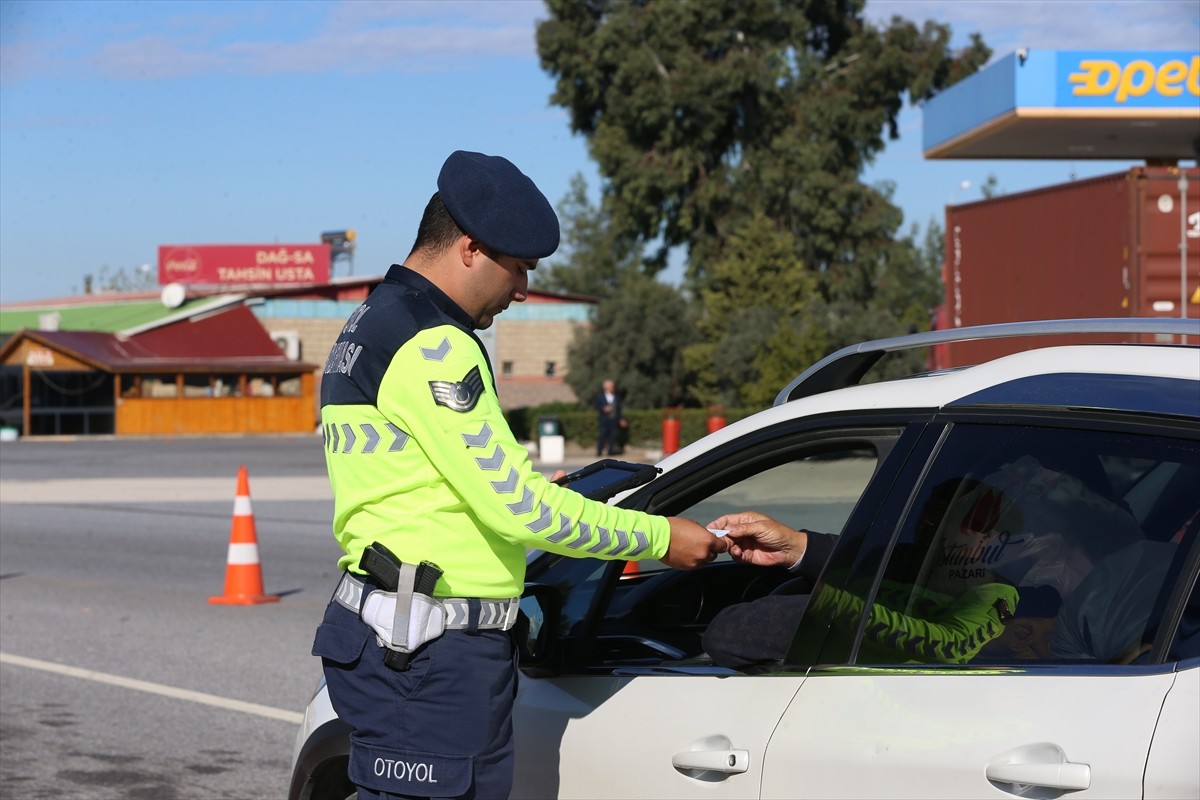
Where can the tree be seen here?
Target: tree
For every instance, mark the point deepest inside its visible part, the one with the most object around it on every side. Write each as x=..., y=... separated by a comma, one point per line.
x=991, y=187
x=639, y=326
x=596, y=257
x=704, y=115
x=636, y=339
x=754, y=307
x=700, y=112
x=119, y=280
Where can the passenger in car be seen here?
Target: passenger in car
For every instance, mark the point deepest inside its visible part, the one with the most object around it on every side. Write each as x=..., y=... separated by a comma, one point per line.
x=1059, y=519
x=1105, y=620
x=1113, y=615
x=906, y=623
x=1000, y=556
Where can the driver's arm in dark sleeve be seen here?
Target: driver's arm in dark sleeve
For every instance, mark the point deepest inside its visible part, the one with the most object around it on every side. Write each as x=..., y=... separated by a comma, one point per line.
x=816, y=554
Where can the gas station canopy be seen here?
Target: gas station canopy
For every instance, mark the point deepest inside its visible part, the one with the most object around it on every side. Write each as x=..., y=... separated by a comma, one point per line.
x=1071, y=105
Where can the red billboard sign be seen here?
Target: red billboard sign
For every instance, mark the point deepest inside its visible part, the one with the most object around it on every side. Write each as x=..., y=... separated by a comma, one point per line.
x=243, y=264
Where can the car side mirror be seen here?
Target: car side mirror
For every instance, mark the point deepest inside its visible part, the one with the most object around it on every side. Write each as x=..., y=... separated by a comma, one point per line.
x=536, y=629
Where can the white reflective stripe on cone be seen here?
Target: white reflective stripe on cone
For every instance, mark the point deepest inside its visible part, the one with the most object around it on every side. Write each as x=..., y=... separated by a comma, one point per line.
x=241, y=506
x=242, y=554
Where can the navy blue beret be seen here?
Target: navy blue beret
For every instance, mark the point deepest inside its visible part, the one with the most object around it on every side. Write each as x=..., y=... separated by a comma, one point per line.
x=496, y=203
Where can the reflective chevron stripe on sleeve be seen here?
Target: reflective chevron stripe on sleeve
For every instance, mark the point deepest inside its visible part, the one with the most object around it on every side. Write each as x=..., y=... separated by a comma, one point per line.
x=606, y=542
x=341, y=438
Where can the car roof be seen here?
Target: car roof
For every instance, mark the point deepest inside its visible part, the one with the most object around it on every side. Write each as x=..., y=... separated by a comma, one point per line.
x=1138, y=378
x=847, y=366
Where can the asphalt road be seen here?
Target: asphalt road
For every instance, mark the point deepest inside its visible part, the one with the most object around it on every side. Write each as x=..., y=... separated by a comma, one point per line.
x=118, y=678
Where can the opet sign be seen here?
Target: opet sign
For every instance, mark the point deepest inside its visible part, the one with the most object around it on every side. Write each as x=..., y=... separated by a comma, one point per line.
x=1121, y=79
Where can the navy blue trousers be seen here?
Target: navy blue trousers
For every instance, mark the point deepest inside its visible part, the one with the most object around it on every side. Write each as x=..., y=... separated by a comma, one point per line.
x=607, y=437
x=442, y=728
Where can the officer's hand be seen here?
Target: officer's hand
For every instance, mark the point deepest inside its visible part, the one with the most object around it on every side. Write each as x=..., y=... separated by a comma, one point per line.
x=692, y=545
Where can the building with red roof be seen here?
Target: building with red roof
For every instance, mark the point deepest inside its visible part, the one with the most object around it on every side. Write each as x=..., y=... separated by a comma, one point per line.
x=207, y=360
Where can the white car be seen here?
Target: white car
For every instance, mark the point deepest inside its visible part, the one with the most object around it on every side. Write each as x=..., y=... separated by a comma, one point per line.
x=1009, y=608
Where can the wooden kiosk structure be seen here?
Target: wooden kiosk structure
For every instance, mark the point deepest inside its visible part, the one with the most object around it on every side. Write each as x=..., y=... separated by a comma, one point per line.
x=212, y=374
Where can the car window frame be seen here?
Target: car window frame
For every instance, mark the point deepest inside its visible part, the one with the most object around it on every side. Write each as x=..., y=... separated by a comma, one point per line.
x=922, y=458
x=1166, y=425
x=892, y=434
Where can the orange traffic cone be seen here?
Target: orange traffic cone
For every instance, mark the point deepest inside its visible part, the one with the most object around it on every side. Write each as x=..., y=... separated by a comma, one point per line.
x=243, y=574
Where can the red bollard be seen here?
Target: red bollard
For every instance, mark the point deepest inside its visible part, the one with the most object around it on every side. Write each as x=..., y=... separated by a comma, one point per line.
x=716, y=418
x=670, y=435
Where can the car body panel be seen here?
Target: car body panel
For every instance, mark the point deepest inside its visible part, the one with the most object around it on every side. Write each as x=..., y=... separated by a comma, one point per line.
x=319, y=711
x=1172, y=770
x=607, y=740
x=935, y=735
x=321, y=753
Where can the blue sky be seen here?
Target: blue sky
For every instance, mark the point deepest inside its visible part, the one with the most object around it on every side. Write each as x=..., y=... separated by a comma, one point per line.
x=126, y=125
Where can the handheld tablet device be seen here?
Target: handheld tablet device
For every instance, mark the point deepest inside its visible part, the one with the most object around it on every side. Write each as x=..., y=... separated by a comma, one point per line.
x=605, y=479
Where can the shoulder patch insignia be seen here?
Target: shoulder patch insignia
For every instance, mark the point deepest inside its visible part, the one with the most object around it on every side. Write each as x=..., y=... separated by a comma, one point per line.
x=438, y=353
x=460, y=396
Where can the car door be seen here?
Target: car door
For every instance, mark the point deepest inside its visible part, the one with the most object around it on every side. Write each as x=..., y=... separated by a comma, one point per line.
x=1082, y=533
x=1171, y=769
x=634, y=707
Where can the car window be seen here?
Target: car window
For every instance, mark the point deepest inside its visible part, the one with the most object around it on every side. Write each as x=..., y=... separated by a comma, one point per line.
x=816, y=491
x=658, y=614
x=1186, y=643
x=1029, y=544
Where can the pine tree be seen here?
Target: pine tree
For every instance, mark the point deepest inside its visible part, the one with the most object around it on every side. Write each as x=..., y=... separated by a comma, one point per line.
x=714, y=121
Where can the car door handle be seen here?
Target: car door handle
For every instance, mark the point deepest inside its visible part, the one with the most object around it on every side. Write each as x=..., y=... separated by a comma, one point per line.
x=1065, y=775
x=729, y=761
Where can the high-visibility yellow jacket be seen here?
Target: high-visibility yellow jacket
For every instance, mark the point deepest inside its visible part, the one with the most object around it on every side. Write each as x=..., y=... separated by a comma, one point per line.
x=422, y=460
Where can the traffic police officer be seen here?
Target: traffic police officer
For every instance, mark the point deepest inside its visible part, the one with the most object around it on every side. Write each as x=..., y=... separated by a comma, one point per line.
x=422, y=462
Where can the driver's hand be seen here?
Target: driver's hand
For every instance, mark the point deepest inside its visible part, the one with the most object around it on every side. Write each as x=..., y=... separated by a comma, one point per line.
x=692, y=545
x=755, y=538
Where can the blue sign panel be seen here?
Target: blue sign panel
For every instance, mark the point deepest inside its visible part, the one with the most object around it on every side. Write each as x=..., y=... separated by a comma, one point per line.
x=1127, y=79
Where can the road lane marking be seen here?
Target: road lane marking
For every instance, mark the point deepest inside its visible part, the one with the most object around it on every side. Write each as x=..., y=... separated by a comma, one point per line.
x=164, y=490
x=157, y=490
x=155, y=688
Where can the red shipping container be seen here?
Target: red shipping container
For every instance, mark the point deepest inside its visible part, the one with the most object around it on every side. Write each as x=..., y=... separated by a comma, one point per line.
x=1104, y=247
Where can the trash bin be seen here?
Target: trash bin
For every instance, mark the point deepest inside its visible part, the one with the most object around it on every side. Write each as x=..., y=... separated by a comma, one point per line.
x=551, y=444
x=716, y=419
x=671, y=427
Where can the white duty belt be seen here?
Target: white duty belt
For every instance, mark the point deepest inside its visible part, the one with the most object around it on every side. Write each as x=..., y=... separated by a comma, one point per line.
x=494, y=614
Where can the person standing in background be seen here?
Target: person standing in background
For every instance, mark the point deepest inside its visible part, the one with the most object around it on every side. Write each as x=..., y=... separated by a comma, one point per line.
x=609, y=418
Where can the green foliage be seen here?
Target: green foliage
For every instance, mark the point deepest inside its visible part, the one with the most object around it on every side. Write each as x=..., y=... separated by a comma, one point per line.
x=122, y=280
x=991, y=187
x=596, y=257
x=700, y=114
x=753, y=318
x=739, y=131
x=524, y=421
x=795, y=345
x=636, y=339
x=645, y=425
